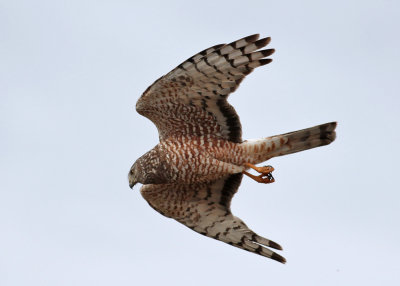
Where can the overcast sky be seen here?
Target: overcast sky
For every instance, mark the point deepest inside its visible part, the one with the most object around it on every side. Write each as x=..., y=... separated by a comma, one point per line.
x=70, y=75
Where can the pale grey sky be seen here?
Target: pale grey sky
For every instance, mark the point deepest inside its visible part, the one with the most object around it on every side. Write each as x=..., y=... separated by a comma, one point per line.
x=70, y=74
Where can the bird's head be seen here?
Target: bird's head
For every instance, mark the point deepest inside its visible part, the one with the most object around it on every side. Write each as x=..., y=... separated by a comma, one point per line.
x=148, y=169
x=133, y=176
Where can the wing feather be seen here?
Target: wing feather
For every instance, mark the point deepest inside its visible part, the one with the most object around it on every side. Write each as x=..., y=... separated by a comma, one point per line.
x=205, y=208
x=192, y=98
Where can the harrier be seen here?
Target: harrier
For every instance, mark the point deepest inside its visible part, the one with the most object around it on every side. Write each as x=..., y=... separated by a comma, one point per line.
x=192, y=174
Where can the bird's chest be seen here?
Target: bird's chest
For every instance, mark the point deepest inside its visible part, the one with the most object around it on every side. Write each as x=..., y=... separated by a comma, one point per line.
x=190, y=159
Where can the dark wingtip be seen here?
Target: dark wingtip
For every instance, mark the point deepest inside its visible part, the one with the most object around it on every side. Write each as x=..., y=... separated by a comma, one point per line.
x=252, y=38
x=262, y=42
x=278, y=258
x=275, y=245
x=267, y=52
x=265, y=61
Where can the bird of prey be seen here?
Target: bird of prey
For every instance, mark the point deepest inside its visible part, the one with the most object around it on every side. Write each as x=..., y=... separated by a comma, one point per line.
x=192, y=174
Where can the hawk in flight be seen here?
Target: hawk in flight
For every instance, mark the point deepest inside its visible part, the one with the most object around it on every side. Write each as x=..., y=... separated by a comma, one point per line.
x=192, y=174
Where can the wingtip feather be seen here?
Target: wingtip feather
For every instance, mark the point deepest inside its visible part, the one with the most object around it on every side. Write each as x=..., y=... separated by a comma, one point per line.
x=278, y=258
x=252, y=38
x=275, y=245
x=262, y=42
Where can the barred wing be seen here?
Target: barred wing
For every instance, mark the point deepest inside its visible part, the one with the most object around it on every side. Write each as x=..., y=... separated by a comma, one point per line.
x=205, y=208
x=192, y=98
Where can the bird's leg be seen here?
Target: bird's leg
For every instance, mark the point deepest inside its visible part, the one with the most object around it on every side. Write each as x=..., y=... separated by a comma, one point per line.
x=265, y=173
x=261, y=170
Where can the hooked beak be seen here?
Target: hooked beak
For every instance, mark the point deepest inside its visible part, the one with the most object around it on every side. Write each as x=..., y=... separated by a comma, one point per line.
x=131, y=184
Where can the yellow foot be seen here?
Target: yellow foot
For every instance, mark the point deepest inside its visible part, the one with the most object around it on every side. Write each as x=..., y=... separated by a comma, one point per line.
x=265, y=176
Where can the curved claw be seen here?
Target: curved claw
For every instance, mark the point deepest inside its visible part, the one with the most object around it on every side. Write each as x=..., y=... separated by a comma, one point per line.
x=265, y=176
x=270, y=177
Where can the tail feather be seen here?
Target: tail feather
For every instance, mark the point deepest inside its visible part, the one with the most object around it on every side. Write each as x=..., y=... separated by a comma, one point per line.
x=305, y=139
x=292, y=142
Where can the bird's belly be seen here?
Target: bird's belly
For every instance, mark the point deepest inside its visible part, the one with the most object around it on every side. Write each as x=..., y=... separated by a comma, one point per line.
x=187, y=161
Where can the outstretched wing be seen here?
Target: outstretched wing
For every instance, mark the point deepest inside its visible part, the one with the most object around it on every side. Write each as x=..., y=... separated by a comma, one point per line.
x=205, y=208
x=192, y=98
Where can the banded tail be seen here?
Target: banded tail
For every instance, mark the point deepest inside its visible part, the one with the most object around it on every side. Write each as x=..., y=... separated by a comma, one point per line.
x=288, y=143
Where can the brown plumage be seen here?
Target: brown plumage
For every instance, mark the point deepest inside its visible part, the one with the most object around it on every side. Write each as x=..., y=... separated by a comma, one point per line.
x=193, y=173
